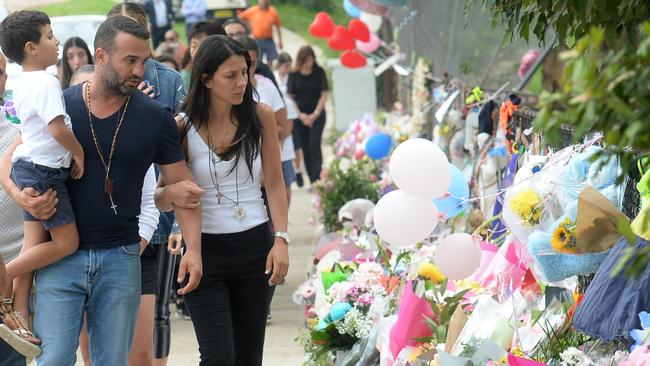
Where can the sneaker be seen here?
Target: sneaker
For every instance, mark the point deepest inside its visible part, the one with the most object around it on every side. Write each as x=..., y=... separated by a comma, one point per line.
x=268, y=319
x=299, y=180
x=181, y=312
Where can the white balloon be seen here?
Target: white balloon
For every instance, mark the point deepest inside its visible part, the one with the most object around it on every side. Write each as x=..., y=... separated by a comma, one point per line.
x=372, y=21
x=403, y=220
x=458, y=256
x=420, y=168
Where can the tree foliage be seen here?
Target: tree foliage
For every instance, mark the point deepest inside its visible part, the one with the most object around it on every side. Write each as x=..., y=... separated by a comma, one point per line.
x=604, y=90
x=570, y=19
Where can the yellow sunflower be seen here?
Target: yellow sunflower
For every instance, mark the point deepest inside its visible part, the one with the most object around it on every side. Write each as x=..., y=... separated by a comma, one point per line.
x=563, y=239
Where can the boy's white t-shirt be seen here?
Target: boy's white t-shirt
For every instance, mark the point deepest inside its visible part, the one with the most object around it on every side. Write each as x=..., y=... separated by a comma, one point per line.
x=38, y=100
x=269, y=95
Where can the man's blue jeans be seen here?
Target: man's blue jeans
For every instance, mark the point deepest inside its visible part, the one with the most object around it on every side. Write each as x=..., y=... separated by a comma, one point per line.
x=105, y=283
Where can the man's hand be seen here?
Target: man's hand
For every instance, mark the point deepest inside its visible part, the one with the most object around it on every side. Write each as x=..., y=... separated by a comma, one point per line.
x=191, y=266
x=184, y=194
x=175, y=242
x=41, y=206
x=278, y=262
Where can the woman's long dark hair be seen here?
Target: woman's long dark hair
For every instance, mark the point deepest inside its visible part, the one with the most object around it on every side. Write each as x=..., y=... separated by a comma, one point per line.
x=67, y=71
x=214, y=51
x=301, y=58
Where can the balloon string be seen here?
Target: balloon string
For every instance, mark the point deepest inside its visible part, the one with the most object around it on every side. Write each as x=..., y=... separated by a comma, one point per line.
x=545, y=168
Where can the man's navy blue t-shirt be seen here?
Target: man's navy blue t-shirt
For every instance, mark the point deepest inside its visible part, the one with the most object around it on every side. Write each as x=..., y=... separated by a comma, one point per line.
x=148, y=134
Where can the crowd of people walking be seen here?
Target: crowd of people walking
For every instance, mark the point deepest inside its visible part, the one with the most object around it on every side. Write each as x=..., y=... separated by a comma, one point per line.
x=150, y=170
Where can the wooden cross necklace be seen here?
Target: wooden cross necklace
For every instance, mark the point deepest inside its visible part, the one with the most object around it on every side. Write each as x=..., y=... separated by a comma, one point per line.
x=108, y=181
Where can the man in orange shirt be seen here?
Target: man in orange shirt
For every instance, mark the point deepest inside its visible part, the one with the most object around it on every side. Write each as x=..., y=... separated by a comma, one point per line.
x=261, y=19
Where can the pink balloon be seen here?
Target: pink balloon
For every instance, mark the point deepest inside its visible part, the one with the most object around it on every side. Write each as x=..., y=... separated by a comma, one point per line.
x=370, y=46
x=458, y=256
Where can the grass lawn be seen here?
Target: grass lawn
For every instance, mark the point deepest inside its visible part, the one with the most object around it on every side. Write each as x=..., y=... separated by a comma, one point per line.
x=298, y=17
x=294, y=17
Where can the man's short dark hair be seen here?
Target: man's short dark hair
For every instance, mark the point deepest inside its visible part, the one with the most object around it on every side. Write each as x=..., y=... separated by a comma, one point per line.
x=209, y=28
x=107, y=32
x=236, y=21
x=19, y=28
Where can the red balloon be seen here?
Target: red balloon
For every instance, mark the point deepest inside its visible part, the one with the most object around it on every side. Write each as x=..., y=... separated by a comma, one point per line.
x=342, y=39
x=353, y=59
x=322, y=26
x=359, y=30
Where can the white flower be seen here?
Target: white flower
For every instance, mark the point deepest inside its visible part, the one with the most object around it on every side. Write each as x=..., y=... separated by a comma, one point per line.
x=571, y=357
x=355, y=324
x=345, y=165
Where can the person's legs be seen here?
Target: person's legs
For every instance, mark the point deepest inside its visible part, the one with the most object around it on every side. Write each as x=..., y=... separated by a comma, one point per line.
x=297, y=162
x=8, y=354
x=289, y=176
x=22, y=285
x=250, y=301
x=113, y=301
x=83, y=344
x=142, y=348
x=304, y=134
x=210, y=307
x=65, y=240
x=61, y=291
x=315, y=153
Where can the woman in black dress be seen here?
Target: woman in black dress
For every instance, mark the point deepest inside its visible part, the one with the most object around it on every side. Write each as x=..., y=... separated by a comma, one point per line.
x=308, y=87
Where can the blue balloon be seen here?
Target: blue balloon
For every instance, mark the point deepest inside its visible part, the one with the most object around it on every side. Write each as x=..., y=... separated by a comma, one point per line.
x=352, y=10
x=456, y=202
x=378, y=146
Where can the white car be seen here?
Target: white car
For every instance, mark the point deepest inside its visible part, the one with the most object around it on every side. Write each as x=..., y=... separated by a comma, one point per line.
x=63, y=28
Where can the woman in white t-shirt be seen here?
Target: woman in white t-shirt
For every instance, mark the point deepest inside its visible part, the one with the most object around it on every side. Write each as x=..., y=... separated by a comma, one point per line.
x=270, y=95
x=231, y=143
x=284, y=64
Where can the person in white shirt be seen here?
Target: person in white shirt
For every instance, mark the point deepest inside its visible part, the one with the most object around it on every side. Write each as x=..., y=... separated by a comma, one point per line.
x=271, y=95
x=231, y=144
x=290, y=153
x=43, y=160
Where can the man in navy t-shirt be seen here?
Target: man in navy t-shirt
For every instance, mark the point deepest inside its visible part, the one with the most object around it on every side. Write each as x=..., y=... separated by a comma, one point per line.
x=122, y=132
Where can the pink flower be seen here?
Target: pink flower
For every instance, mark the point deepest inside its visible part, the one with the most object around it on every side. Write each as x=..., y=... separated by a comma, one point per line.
x=373, y=178
x=639, y=357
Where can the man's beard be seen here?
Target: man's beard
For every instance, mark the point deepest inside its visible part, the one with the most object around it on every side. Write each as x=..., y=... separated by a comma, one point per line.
x=113, y=81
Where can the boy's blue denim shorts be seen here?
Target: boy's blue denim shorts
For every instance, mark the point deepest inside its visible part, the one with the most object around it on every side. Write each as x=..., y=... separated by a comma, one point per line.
x=26, y=174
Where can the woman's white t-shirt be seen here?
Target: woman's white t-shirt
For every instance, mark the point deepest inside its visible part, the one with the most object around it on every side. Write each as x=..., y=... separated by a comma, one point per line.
x=269, y=95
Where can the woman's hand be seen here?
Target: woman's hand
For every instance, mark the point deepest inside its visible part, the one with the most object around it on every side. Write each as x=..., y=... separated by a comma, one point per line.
x=174, y=244
x=147, y=89
x=278, y=261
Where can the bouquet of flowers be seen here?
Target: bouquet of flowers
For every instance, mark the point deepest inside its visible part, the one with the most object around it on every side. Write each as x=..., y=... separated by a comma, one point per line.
x=528, y=205
x=350, y=311
x=564, y=238
x=342, y=181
